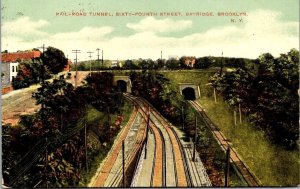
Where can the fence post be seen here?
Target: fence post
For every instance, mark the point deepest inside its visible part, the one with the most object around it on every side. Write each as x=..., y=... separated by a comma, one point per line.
x=234, y=115
x=215, y=95
x=240, y=112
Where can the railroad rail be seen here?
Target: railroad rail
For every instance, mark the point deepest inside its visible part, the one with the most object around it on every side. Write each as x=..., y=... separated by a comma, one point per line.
x=112, y=155
x=181, y=171
x=158, y=174
x=235, y=159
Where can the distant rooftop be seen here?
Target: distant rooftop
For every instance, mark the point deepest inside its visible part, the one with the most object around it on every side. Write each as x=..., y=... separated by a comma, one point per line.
x=24, y=55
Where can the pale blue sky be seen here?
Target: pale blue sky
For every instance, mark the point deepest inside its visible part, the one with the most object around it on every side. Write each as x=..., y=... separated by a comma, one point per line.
x=271, y=25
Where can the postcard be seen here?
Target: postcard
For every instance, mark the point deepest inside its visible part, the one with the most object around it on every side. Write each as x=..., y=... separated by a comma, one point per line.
x=140, y=93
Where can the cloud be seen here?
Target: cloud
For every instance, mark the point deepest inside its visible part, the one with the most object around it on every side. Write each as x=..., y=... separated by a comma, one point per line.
x=24, y=27
x=262, y=31
x=150, y=24
x=86, y=33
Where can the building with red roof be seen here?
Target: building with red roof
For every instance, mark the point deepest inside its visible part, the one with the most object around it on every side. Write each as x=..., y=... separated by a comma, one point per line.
x=10, y=65
x=24, y=55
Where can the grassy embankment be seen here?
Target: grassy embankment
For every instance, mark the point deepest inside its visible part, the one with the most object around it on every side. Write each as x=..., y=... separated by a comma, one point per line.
x=273, y=165
x=94, y=116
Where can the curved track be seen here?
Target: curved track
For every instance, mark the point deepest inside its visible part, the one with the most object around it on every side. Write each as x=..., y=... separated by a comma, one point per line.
x=244, y=171
x=179, y=165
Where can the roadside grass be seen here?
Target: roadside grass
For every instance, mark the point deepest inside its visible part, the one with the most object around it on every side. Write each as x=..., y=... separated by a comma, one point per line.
x=273, y=165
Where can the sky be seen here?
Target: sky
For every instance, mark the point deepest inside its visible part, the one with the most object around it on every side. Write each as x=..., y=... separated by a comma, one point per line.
x=132, y=29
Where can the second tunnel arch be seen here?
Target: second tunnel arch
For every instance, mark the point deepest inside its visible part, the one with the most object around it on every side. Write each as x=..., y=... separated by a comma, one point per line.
x=190, y=91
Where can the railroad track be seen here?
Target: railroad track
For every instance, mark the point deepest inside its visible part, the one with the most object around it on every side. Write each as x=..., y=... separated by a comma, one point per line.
x=158, y=175
x=112, y=155
x=181, y=169
x=235, y=159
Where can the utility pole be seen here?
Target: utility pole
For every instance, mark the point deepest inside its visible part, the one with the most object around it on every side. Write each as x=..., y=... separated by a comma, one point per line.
x=85, y=146
x=90, y=55
x=161, y=55
x=43, y=69
x=123, y=163
x=195, y=138
x=102, y=58
x=227, y=167
x=182, y=117
x=98, y=60
x=221, y=70
x=46, y=161
x=147, y=130
x=76, y=52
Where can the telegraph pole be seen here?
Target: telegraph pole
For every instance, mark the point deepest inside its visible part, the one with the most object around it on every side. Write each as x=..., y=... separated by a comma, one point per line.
x=98, y=60
x=221, y=70
x=161, y=55
x=46, y=161
x=43, y=69
x=147, y=130
x=102, y=58
x=90, y=61
x=123, y=162
x=76, y=52
x=195, y=138
x=85, y=146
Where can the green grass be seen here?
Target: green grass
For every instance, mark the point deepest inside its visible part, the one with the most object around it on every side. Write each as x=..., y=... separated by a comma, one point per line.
x=95, y=116
x=198, y=77
x=273, y=165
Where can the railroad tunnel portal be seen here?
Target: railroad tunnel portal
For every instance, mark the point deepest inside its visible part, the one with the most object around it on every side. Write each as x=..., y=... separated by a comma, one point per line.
x=122, y=86
x=189, y=91
x=123, y=83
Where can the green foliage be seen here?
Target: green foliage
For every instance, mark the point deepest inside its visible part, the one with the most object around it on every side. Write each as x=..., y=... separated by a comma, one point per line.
x=203, y=63
x=280, y=166
x=29, y=73
x=129, y=65
x=172, y=64
x=270, y=96
x=64, y=113
x=157, y=90
x=54, y=59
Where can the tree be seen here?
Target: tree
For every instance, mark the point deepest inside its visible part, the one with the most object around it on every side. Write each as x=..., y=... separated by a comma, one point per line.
x=160, y=63
x=130, y=65
x=29, y=73
x=172, y=64
x=270, y=96
x=203, y=63
x=54, y=59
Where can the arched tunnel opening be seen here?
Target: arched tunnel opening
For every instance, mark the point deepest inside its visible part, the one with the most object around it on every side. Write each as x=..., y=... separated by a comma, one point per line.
x=122, y=85
x=189, y=93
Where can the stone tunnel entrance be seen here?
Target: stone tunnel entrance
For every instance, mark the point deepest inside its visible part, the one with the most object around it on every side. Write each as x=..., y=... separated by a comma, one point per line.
x=189, y=93
x=122, y=86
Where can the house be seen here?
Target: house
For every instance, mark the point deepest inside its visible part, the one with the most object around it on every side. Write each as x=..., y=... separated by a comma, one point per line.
x=10, y=66
x=115, y=63
x=68, y=66
x=189, y=61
